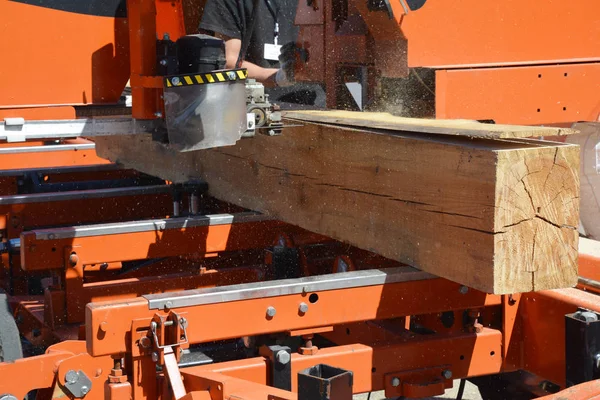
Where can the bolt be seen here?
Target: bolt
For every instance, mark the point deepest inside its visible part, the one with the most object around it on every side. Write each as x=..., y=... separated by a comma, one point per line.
x=447, y=374
x=271, y=311
x=175, y=81
x=51, y=236
x=183, y=323
x=463, y=290
x=84, y=390
x=283, y=357
x=73, y=259
x=166, y=36
x=168, y=305
x=586, y=316
x=231, y=75
x=158, y=114
x=342, y=266
x=145, y=342
x=8, y=397
x=103, y=326
x=71, y=376
x=163, y=62
x=303, y=308
x=155, y=356
x=395, y=381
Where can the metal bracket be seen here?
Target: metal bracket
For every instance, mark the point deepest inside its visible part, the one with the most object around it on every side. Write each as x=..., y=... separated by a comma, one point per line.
x=582, y=346
x=425, y=382
x=169, y=334
x=77, y=383
x=281, y=365
x=323, y=382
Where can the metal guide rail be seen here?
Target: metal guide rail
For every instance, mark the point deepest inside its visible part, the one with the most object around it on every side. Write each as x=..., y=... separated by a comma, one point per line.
x=83, y=194
x=18, y=130
x=343, y=280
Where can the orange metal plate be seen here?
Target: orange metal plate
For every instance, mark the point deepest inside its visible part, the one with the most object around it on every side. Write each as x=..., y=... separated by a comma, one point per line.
x=360, y=304
x=543, y=316
x=521, y=95
x=488, y=32
x=58, y=57
x=371, y=364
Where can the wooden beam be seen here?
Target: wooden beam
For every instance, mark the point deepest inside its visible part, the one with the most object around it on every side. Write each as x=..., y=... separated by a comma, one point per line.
x=457, y=127
x=496, y=215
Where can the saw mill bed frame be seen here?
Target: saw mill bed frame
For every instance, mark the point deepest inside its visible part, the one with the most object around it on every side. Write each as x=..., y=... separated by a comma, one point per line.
x=482, y=205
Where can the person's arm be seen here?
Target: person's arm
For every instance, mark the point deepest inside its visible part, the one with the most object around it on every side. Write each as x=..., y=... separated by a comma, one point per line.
x=266, y=76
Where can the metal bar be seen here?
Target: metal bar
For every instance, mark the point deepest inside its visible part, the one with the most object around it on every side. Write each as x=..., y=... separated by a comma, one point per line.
x=62, y=170
x=371, y=362
x=147, y=226
x=256, y=290
x=83, y=195
x=281, y=313
x=589, y=283
x=90, y=127
x=49, y=148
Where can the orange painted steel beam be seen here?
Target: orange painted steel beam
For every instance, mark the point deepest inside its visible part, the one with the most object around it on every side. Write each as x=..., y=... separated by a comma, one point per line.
x=40, y=157
x=584, y=391
x=38, y=254
x=485, y=32
x=20, y=215
x=542, y=317
x=467, y=355
x=530, y=95
x=359, y=304
x=97, y=46
x=78, y=294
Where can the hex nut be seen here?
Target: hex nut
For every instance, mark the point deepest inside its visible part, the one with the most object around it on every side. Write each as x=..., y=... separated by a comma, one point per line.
x=71, y=376
x=283, y=357
x=447, y=374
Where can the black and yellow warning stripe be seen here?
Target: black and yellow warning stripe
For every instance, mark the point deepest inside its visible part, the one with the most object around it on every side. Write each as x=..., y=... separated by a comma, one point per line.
x=203, y=79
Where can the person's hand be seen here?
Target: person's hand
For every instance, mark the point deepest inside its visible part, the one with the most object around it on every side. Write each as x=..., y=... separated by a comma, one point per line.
x=291, y=55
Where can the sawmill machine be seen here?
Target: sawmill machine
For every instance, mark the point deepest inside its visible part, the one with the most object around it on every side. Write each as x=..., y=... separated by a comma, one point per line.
x=120, y=285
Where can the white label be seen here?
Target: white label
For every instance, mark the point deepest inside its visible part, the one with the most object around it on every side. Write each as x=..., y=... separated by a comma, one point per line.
x=272, y=51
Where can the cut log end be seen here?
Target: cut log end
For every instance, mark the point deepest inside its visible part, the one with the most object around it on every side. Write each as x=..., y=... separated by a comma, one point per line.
x=536, y=236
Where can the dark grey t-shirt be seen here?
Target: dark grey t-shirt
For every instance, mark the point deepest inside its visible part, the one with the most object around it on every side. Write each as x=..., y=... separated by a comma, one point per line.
x=233, y=17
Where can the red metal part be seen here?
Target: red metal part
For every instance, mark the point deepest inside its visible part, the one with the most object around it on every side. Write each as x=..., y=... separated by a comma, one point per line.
x=531, y=95
x=40, y=157
x=445, y=34
x=61, y=57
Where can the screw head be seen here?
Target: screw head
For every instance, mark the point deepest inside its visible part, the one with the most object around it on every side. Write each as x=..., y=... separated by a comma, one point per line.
x=231, y=75
x=175, y=81
x=271, y=311
x=71, y=376
x=395, y=381
x=145, y=342
x=463, y=290
x=73, y=259
x=155, y=357
x=283, y=357
x=84, y=390
x=447, y=374
x=303, y=308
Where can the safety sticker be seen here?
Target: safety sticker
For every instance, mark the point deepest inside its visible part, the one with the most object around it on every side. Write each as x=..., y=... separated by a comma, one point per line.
x=203, y=79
